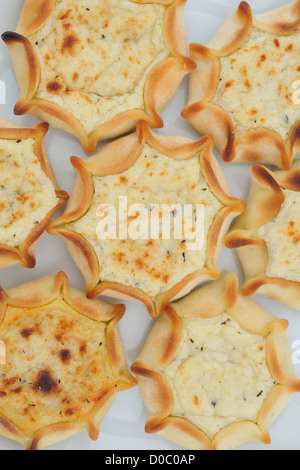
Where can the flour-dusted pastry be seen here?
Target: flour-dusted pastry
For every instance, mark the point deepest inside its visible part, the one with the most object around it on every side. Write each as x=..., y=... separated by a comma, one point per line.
x=215, y=370
x=64, y=362
x=95, y=68
x=245, y=90
x=29, y=194
x=267, y=235
x=136, y=181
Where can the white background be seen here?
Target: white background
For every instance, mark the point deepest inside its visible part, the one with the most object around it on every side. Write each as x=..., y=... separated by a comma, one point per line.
x=123, y=427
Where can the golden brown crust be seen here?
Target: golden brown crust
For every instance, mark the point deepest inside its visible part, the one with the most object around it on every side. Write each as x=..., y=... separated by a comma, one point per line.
x=116, y=158
x=209, y=301
x=42, y=293
x=261, y=145
x=24, y=254
x=161, y=85
x=264, y=203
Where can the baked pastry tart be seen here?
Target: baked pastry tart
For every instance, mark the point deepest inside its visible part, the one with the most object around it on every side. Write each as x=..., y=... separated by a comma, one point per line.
x=29, y=194
x=245, y=90
x=138, y=176
x=267, y=236
x=64, y=362
x=95, y=68
x=216, y=369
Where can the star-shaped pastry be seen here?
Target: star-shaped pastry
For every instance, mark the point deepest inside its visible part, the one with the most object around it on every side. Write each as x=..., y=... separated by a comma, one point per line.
x=95, y=68
x=245, y=90
x=216, y=369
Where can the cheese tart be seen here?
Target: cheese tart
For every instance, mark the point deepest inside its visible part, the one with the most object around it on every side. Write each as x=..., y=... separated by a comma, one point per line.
x=135, y=182
x=29, y=194
x=64, y=362
x=216, y=369
x=267, y=236
x=95, y=68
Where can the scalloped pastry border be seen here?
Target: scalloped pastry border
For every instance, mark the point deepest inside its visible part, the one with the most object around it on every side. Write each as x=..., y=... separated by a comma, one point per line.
x=263, y=205
x=260, y=146
x=24, y=254
x=46, y=290
x=116, y=158
x=160, y=349
x=160, y=87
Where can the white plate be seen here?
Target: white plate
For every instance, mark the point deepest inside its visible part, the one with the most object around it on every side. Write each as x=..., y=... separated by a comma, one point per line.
x=123, y=427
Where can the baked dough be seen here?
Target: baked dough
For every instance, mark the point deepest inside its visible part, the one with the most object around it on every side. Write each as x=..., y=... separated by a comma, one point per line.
x=216, y=369
x=29, y=194
x=96, y=68
x=243, y=90
x=151, y=170
x=64, y=362
x=267, y=235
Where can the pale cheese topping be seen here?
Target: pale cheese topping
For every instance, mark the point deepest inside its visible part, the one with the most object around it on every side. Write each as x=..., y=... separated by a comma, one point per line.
x=282, y=236
x=152, y=265
x=219, y=375
x=27, y=195
x=256, y=82
x=95, y=56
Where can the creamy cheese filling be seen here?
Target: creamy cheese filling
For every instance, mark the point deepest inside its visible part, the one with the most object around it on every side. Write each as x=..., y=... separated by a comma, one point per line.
x=56, y=360
x=95, y=56
x=219, y=374
x=27, y=195
x=256, y=81
x=153, y=265
x=282, y=236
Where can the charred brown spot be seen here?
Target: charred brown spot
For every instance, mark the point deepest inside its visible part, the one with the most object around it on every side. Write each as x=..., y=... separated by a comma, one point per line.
x=102, y=394
x=45, y=383
x=228, y=153
x=69, y=412
x=64, y=328
x=65, y=15
x=244, y=9
x=10, y=36
x=11, y=381
x=82, y=348
x=277, y=43
x=139, y=263
x=235, y=242
x=17, y=390
x=67, y=26
x=65, y=355
x=68, y=43
x=289, y=47
x=54, y=86
x=27, y=332
x=2, y=394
